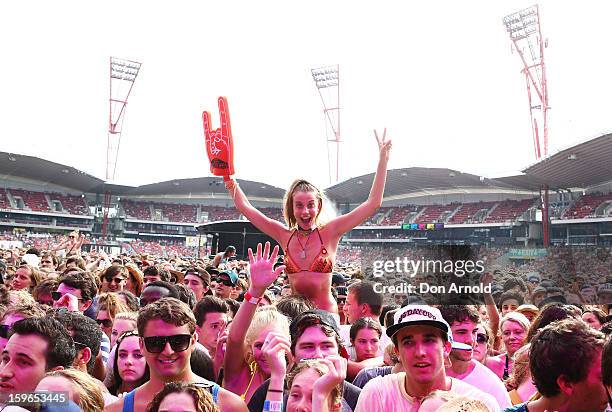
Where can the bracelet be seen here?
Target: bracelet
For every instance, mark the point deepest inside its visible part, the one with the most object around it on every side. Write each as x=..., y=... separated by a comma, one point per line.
x=231, y=184
x=276, y=390
x=251, y=299
x=273, y=406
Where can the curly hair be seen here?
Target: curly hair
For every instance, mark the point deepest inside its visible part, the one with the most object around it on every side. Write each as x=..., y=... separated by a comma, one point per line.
x=202, y=399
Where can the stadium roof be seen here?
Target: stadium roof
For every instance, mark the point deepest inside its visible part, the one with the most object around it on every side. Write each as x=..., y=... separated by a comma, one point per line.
x=414, y=180
x=581, y=166
x=201, y=185
x=34, y=168
x=584, y=165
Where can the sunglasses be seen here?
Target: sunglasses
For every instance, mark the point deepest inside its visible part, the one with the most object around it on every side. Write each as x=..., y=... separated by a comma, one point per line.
x=4, y=331
x=116, y=280
x=481, y=338
x=157, y=344
x=58, y=295
x=107, y=323
x=224, y=281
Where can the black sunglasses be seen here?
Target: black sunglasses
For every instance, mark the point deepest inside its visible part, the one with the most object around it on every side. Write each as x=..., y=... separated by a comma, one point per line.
x=4, y=331
x=58, y=295
x=116, y=280
x=224, y=281
x=481, y=338
x=107, y=323
x=157, y=344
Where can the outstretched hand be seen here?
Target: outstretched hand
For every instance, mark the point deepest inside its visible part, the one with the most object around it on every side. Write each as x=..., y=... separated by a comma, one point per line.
x=261, y=267
x=219, y=142
x=384, y=145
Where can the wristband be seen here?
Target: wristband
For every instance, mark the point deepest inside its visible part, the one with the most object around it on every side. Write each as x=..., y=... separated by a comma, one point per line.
x=273, y=406
x=251, y=299
x=276, y=390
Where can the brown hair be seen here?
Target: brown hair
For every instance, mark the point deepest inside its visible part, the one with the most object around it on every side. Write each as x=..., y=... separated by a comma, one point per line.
x=136, y=276
x=556, y=344
x=26, y=310
x=111, y=303
x=299, y=185
x=202, y=399
x=169, y=310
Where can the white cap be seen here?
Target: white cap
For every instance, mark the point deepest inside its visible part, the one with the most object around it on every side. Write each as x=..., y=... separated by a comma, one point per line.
x=413, y=315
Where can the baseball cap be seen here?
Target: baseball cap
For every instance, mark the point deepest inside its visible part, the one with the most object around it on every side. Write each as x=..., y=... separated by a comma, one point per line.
x=338, y=279
x=414, y=315
x=233, y=276
x=201, y=273
x=538, y=289
x=324, y=317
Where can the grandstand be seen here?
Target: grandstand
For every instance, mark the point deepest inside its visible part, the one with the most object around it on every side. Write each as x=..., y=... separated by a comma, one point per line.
x=38, y=196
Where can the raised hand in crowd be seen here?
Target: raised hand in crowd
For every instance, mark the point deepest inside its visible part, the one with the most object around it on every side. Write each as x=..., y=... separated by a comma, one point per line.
x=323, y=387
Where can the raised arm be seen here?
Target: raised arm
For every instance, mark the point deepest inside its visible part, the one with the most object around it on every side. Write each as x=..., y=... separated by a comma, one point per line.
x=219, y=146
x=345, y=223
x=262, y=276
x=271, y=227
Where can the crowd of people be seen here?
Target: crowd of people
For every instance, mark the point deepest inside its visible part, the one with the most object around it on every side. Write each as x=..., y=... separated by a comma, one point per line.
x=142, y=332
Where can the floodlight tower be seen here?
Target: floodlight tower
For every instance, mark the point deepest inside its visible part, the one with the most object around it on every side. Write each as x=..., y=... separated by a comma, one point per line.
x=123, y=73
x=526, y=36
x=327, y=81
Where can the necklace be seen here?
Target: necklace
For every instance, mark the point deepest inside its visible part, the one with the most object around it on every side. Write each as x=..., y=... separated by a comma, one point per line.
x=303, y=246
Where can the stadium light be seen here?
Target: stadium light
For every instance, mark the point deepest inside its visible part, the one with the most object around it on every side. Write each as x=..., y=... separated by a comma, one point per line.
x=525, y=33
x=328, y=77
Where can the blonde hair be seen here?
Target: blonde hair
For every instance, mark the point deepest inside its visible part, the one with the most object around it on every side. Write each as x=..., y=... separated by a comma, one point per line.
x=88, y=393
x=299, y=185
x=21, y=297
x=464, y=404
x=320, y=368
x=515, y=317
x=133, y=316
x=520, y=369
x=265, y=316
x=111, y=303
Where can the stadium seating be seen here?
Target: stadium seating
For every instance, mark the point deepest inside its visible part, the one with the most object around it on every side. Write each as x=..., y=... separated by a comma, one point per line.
x=509, y=210
x=178, y=212
x=74, y=205
x=4, y=201
x=34, y=201
x=433, y=213
x=137, y=210
x=468, y=211
x=585, y=206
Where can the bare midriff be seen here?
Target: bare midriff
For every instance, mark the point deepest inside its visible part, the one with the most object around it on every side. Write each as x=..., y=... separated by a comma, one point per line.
x=316, y=287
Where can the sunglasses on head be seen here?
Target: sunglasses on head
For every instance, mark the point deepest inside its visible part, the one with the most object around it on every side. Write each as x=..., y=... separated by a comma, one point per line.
x=107, y=323
x=58, y=295
x=481, y=338
x=4, y=331
x=157, y=344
